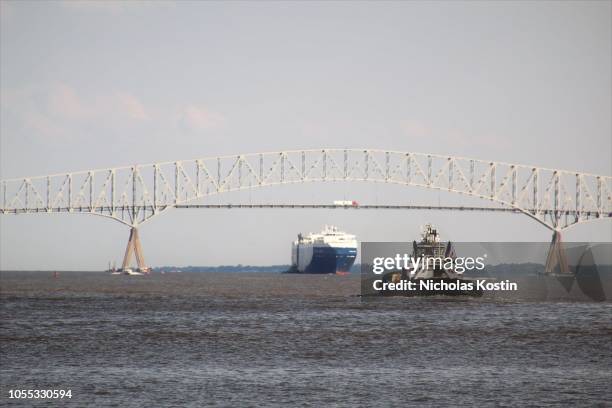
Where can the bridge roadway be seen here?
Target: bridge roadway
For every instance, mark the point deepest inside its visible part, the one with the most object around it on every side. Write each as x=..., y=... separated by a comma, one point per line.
x=87, y=209
x=356, y=207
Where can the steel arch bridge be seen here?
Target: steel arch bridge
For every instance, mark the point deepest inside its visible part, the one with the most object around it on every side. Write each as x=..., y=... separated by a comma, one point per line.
x=132, y=195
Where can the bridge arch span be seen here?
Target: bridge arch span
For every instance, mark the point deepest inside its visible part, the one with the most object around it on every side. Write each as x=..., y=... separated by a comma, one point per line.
x=135, y=194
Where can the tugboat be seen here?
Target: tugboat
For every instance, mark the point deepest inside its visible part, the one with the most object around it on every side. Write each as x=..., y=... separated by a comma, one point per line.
x=431, y=278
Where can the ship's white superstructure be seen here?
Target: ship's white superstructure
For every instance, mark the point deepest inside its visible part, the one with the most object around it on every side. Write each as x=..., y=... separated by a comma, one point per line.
x=430, y=247
x=329, y=251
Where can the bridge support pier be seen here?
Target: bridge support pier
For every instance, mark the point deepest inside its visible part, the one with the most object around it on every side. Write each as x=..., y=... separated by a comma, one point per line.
x=134, y=246
x=556, y=261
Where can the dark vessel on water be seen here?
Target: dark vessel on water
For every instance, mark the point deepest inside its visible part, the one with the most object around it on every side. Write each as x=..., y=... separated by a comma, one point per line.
x=432, y=278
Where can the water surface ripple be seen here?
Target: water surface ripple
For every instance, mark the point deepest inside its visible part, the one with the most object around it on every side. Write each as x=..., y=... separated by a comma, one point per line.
x=246, y=339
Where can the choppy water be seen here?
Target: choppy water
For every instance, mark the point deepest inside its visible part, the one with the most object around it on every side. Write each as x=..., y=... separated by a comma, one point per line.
x=199, y=339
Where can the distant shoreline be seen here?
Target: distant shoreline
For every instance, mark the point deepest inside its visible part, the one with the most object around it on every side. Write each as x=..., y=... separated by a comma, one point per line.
x=175, y=269
x=207, y=269
x=200, y=269
x=509, y=268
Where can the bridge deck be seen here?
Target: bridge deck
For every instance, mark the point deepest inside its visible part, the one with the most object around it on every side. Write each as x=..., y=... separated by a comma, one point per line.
x=99, y=209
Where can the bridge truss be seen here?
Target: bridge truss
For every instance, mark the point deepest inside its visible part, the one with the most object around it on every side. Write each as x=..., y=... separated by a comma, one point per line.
x=132, y=195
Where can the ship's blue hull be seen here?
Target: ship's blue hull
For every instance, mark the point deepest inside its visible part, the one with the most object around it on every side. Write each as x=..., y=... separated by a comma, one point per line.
x=326, y=259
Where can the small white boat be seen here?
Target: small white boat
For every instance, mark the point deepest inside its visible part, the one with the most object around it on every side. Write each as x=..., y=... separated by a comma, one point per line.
x=129, y=271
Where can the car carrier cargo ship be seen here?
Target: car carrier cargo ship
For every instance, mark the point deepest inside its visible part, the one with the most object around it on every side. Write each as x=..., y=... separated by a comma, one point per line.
x=330, y=251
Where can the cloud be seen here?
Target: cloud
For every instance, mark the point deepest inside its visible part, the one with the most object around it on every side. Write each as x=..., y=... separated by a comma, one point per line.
x=129, y=104
x=57, y=109
x=415, y=128
x=109, y=5
x=201, y=118
x=64, y=101
x=113, y=6
x=63, y=110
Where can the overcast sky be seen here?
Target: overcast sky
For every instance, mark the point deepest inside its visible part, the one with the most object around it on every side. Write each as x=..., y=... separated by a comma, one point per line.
x=87, y=85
